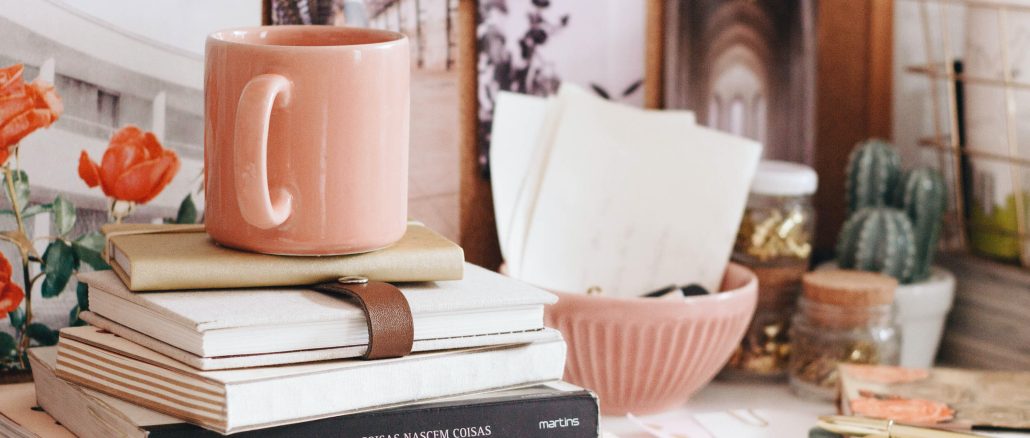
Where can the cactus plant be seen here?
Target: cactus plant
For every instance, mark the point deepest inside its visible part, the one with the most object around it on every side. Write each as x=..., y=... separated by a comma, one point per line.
x=894, y=220
x=878, y=239
x=921, y=193
x=873, y=171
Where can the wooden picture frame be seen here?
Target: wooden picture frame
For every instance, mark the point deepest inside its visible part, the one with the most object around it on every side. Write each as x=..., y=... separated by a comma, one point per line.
x=861, y=57
x=476, y=222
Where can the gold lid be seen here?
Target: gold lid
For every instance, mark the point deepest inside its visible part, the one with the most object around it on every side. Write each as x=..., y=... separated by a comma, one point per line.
x=849, y=288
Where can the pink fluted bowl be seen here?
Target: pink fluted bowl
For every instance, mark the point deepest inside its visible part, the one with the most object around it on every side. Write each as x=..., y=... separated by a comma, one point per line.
x=644, y=355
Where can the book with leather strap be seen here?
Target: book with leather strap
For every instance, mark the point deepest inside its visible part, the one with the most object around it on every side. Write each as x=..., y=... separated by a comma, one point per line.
x=232, y=328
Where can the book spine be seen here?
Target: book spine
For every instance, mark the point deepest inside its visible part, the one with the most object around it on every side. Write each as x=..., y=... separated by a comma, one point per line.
x=573, y=415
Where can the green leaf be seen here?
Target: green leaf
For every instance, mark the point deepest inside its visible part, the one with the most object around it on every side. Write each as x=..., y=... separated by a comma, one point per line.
x=82, y=293
x=8, y=347
x=64, y=215
x=31, y=210
x=89, y=249
x=93, y=240
x=42, y=334
x=73, y=318
x=187, y=211
x=59, y=261
x=17, y=318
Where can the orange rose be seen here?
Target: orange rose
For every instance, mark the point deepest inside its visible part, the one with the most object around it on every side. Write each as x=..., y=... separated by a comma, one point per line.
x=135, y=167
x=904, y=410
x=10, y=293
x=24, y=108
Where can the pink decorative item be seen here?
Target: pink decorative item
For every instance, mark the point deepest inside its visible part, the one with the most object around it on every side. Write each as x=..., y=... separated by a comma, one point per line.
x=306, y=139
x=644, y=355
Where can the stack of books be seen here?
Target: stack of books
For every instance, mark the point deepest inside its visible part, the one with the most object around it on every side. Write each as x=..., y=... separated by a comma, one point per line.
x=186, y=337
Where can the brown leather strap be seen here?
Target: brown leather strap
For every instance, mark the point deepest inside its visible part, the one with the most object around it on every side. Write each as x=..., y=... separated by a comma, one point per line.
x=390, y=329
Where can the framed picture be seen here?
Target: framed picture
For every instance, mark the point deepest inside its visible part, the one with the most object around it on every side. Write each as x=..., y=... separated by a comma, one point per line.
x=612, y=47
x=117, y=77
x=747, y=68
x=752, y=68
x=532, y=46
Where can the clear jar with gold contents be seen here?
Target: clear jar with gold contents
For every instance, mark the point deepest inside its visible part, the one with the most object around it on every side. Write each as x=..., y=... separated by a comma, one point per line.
x=842, y=317
x=774, y=240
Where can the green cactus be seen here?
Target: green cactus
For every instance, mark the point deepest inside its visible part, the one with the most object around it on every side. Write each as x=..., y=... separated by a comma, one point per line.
x=878, y=239
x=922, y=195
x=873, y=171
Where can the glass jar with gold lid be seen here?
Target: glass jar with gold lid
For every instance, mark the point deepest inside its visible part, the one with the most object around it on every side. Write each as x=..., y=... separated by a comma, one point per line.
x=774, y=241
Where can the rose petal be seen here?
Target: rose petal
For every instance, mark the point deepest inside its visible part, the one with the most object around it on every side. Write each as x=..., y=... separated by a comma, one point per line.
x=127, y=134
x=12, y=106
x=145, y=181
x=46, y=98
x=10, y=297
x=5, y=269
x=151, y=145
x=89, y=171
x=21, y=125
x=10, y=75
x=125, y=151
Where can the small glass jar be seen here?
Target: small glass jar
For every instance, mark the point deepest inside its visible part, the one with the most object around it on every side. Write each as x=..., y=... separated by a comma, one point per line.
x=774, y=241
x=843, y=317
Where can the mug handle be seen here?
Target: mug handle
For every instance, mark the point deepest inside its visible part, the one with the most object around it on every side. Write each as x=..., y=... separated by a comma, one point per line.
x=250, y=152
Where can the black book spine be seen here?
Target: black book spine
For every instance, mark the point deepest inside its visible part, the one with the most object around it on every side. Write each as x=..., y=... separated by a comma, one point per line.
x=567, y=415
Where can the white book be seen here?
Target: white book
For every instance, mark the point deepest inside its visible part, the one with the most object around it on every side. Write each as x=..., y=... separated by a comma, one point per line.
x=254, y=398
x=235, y=322
x=300, y=356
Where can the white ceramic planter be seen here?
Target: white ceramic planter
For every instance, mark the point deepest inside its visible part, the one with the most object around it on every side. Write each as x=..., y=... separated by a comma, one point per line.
x=922, y=309
x=921, y=312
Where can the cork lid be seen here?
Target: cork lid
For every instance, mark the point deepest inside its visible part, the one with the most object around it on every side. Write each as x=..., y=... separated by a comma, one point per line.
x=849, y=288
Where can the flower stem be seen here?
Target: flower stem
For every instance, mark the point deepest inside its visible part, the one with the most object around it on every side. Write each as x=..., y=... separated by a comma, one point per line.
x=11, y=193
x=120, y=209
x=24, y=340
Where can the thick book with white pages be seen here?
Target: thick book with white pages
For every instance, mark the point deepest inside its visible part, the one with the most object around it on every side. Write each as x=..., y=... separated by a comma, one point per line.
x=254, y=398
x=503, y=413
x=299, y=356
x=234, y=322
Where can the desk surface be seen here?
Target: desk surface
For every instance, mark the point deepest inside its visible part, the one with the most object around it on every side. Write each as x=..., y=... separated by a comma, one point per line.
x=726, y=395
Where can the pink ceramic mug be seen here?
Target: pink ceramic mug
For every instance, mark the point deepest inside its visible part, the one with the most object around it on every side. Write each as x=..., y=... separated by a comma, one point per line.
x=306, y=139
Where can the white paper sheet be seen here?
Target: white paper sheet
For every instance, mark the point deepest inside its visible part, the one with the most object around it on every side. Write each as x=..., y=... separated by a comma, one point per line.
x=518, y=119
x=529, y=190
x=628, y=200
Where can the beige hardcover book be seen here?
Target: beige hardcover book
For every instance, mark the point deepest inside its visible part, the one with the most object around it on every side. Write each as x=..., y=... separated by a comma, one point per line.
x=165, y=257
x=254, y=398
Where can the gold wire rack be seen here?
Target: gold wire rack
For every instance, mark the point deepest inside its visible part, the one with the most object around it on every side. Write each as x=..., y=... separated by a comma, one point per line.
x=958, y=157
